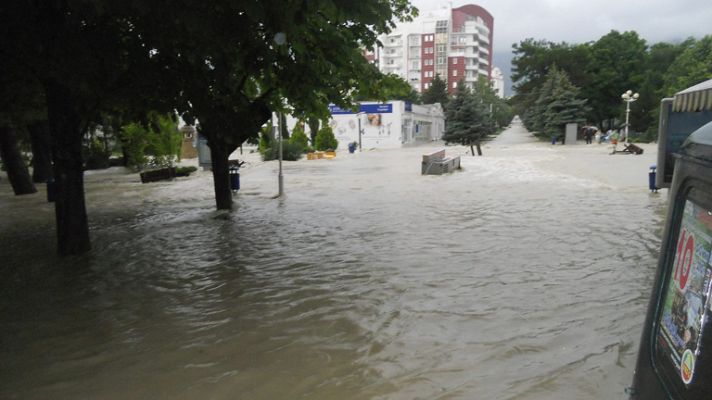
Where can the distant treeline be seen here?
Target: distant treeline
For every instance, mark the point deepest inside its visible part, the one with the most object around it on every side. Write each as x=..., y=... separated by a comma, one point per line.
x=585, y=81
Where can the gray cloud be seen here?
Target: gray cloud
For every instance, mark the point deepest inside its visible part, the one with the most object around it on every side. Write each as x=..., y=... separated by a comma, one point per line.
x=577, y=21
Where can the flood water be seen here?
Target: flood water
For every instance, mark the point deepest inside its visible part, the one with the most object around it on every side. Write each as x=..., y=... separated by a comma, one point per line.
x=368, y=281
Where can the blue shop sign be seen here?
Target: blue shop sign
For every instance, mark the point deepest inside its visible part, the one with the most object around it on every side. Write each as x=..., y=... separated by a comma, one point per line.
x=364, y=108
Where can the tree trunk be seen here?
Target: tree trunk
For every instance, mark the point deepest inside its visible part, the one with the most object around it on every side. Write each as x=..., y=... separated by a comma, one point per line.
x=17, y=171
x=479, y=149
x=219, y=153
x=41, y=151
x=472, y=150
x=313, y=128
x=66, y=139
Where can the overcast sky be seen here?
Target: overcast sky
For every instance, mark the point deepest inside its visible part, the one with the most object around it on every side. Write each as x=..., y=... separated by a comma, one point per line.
x=578, y=21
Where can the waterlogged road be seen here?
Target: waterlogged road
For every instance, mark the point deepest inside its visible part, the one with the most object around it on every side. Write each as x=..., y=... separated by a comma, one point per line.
x=508, y=280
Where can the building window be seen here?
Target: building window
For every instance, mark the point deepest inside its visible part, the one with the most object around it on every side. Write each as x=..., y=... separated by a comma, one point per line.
x=454, y=85
x=440, y=48
x=454, y=60
x=454, y=73
x=441, y=60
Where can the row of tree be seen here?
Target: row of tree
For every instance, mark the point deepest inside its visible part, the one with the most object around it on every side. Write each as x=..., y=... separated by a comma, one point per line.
x=225, y=63
x=585, y=81
x=471, y=114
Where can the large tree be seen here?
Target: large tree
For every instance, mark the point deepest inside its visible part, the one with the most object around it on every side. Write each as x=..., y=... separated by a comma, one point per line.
x=226, y=63
x=468, y=120
x=619, y=66
x=87, y=58
x=563, y=105
x=692, y=66
x=534, y=58
x=250, y=58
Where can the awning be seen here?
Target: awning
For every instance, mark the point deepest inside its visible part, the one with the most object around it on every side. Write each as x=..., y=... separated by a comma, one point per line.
x=695, y=98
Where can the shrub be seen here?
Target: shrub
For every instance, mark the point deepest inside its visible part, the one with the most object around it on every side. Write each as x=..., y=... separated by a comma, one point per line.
x=185, y=171
x=164, y=141
x=96, y=156
x=266, y=139
x=290, y=152
x=160, y=139
x=325, y=139
x=299, y=137
x=133, y=141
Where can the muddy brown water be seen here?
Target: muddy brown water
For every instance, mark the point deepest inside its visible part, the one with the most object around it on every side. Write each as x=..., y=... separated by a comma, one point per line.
x=368, y=281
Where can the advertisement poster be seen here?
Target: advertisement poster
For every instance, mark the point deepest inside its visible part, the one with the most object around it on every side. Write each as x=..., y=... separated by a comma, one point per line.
x=687, y=293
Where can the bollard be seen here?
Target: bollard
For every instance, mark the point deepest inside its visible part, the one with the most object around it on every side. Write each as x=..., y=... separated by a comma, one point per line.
x=651, y=179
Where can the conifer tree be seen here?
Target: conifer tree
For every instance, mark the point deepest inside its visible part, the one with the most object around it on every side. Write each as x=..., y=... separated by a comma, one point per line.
x=564, y=105
x=468, y=120
x=436, y=93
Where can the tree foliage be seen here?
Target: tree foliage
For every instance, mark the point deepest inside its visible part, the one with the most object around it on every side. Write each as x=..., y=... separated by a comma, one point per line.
x=605, y=69
x=436, y=93
x=564, y=105
x=692, y=66
x=468, y=119
x=225, y=63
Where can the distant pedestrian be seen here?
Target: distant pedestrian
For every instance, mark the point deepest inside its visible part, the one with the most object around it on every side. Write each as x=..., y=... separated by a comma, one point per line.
x=588, y=134
x=614, y=140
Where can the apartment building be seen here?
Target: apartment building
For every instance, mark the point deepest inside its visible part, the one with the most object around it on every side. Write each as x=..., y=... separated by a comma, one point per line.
x=455, y=43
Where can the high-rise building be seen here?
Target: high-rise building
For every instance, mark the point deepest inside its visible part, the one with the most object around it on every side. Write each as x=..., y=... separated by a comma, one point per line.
x=455, y=43
x=498, y=81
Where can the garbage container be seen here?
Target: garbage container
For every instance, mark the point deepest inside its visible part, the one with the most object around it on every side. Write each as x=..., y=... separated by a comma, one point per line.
x=352, y=147
x=234, y=178
x=651, y=179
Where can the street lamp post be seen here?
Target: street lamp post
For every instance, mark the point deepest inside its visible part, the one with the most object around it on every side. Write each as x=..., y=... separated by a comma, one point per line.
x=628, y=97
x=277, y=128
x=358, y=118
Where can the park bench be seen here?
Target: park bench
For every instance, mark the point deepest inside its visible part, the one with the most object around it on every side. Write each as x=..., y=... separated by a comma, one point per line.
x=437, y=164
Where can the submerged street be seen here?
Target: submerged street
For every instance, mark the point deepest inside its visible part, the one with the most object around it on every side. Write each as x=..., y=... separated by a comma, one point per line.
x=524, y=276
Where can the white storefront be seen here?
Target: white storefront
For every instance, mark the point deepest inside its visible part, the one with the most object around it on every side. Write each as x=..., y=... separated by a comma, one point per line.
x=388, y=125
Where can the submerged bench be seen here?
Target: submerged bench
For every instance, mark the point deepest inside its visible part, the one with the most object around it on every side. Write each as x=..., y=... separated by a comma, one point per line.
x=156, y=175
x=437, y=163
